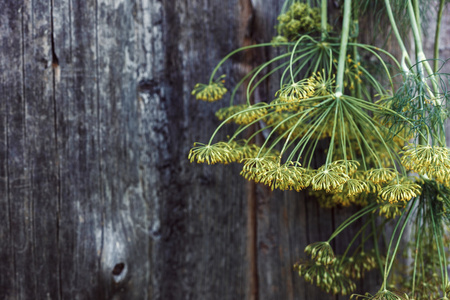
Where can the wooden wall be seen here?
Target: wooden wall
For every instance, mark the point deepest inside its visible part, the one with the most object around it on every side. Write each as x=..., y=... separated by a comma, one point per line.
x=97, y=197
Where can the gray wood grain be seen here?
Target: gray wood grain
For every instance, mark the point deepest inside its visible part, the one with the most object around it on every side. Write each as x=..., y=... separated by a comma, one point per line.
x=97, y=197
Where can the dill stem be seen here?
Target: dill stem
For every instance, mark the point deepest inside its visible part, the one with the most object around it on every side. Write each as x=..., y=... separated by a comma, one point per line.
x=368, y=209
x=323, y=19
x=211, y=78
x=405, y=55
x=388, y=266
x=421, y=58
x=437, y=32
x=440, y=249
x=343, y=47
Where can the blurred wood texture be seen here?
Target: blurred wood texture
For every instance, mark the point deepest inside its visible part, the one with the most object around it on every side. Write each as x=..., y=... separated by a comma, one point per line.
x=97, y=197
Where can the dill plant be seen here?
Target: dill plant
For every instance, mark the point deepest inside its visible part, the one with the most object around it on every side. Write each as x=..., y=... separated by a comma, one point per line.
x=377, y=129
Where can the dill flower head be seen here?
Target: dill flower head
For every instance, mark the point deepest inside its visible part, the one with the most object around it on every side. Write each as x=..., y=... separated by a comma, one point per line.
x=341, y=284
x=355, y=186
x=300, y=17
x=242, y=149
x=322, y=85
x=417, y=157
x=279, y=39
x=211, y=92
x=315, y=273
x=328, y=179
x=348, y=167
x=282, y=106
x=211, y=154
x=356, y=266
x=283, y=177
x=391, y=210
x=382, y=295
x=428, y=160
x=326, y=277
x=379, y=176
x=226, y=112
x=295, y=91
x=321, y=252
x=255, y=167
x=400, y=191
x=250, y=114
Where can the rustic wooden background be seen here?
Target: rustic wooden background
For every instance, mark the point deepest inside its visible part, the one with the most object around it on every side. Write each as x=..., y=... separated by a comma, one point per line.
x=97, y=197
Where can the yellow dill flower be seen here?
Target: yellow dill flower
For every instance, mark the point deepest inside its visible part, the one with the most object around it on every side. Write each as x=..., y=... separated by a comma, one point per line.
x=326, y=200
x=382, y=295
x=284, y=177
x=250, y=114
x=391, y=210
x=427, y=160
x=226, y=112
x=355, y=186
x=315, y=273
x=322, y=85
x=341, y=284
x=321, y=252
x=295, y=91
x=348, y=167
x=355, y=267
x=245, y=114
x=242, y=149
x=281, y=106
x=400, y=192
x=383, y=175
x=255, y=167
x=328, y=179
x=211, y=154
x=210, y=92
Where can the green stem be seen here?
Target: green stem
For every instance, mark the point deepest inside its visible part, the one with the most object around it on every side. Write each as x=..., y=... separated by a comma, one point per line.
x=323, y=19
x=343, y=48
x=437, y=232
x=293, y=52
x=388, y=267
x=368, y=209
x=417, y=38
x=211, y=78
x=354, y=239
x=375, y=242
x=436, y=37
x=405, y=55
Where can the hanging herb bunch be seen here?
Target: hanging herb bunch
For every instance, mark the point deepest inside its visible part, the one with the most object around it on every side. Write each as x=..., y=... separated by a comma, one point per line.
x=385, y=135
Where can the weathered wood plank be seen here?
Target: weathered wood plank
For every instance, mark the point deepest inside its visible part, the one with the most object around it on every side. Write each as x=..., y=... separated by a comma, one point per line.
x=11, y=124
x=30, y=151
x=97, y=197
x=76, y=109
x=202, y=246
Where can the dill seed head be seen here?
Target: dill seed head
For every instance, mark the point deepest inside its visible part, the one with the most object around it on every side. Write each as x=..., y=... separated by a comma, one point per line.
x=321, y=252
x=391, y=210
x=379, y=176
x=355, y=186
x=315, y=273
x=322, y=84
x=348, y=167
x=295, y=91
x=328, y=179
x=400, y=192
x=255, y=167
x=383, y=294
x=250, y=114
x=356, y=266
x=341, y=284
x=226, y=112
x=210, y=92
x=211, y=154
